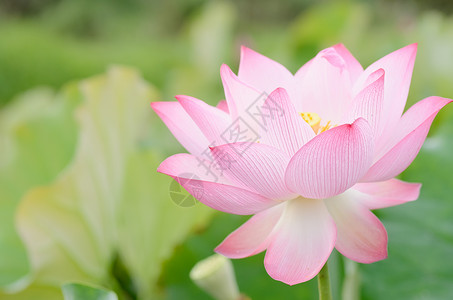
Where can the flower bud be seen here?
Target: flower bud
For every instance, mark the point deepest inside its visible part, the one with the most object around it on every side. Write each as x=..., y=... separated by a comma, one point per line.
x=215, y=275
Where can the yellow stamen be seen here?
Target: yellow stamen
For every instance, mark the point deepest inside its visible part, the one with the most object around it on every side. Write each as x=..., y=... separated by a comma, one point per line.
x=312, y=119
x=325, y=127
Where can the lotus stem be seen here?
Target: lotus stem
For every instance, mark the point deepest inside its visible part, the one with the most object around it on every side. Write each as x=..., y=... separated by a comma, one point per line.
x=325, y=292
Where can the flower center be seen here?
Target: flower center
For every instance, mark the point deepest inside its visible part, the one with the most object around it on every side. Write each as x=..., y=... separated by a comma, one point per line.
x=314, y=120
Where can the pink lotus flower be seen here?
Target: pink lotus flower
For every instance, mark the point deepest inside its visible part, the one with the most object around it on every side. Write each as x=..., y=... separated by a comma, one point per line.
x=309, y=161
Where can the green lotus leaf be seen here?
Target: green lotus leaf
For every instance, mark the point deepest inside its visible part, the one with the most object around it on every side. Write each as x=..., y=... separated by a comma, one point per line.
x=109, y=207
x=37, y=140
x=76, y=291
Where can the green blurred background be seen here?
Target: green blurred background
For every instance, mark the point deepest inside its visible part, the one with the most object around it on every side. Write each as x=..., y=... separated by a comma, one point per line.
x=58, y=130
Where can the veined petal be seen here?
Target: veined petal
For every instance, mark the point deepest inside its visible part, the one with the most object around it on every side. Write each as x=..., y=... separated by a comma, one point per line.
x=262, y=73
x=360, y=235
x=239, y=95
x=325, y=87
x=205, y=182
x=398, y=67
x=212, y=121
x=181, y=126
x=406, y=141
x=253, y=236
x=257, y=166
x=414, y=117
x=300, y=74
x=375, y=195
x=301, y=242
x=223, y=105
x=285, y=129
x=331, y=162
x=368, y=104
x=354, y=67
x=242, y=100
